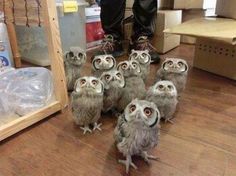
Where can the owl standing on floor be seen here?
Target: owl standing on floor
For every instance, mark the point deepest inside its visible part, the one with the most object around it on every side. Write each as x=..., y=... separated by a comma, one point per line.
x=74, y=60
x=87, y=102
x=114, y=83
x=164, y=95
x=175, y=70
x=134, y=84
x=137, y=131
x=102, y=63
x=144, y=59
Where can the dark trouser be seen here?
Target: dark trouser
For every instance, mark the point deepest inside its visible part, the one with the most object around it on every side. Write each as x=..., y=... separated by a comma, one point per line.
x=112, y=15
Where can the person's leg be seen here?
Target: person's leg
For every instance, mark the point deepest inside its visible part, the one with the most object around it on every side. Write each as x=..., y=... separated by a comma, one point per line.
x=112, y=15
x=144, y=18
x=145, y=13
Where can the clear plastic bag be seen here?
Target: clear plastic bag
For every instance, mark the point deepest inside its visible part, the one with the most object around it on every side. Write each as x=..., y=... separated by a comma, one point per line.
x=28, y=89
x=5, y=109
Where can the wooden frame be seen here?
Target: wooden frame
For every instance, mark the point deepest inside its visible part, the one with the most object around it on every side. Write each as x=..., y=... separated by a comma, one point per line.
x=57, y=67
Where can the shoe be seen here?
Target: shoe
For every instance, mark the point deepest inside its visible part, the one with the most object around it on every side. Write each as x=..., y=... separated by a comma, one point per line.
x=143, y=43
x=111, y=46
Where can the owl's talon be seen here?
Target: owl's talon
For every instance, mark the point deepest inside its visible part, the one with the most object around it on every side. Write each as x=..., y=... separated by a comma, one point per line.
x=86, y=129
x=147, y=157
x=128, y=162
x=97, y=126
x=169, y=120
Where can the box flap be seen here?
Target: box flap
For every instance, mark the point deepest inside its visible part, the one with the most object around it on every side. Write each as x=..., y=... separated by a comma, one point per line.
x=217, y=28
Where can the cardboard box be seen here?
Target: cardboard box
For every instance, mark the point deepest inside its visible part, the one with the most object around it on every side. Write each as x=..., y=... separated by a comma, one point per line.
x=161, y=4
x=226, y=8
x=194, y=4
x=166, y=19
x=216, y=57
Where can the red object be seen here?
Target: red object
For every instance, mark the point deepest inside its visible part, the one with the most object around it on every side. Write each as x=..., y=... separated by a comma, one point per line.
x=94, y=31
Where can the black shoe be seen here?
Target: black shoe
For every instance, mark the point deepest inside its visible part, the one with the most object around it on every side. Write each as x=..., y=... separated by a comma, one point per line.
x=111, y=46
x=143, y=43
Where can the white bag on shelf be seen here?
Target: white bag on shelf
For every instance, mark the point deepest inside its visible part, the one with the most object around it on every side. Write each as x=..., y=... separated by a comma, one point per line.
x=28, y=89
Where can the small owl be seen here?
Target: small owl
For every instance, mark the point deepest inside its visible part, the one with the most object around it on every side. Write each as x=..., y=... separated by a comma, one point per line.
x=134, y=84
x=144, y=60
x=114, y=83
x=87, y=102
x=175, y=70
x=74, y=60
x=102, y=63
x=164, y=95
x=137, y=131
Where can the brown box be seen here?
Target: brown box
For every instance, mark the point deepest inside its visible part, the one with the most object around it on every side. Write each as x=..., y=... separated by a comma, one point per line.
x=194, y=4
x=226, y=8
x=166, y=19
x=216, y=57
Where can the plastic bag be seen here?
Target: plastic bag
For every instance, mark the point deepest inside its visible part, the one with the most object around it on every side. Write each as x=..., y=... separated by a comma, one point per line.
x=5, y=109
x=28, y=89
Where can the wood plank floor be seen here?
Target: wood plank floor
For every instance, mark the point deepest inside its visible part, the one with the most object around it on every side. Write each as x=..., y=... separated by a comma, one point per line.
x=202, y=142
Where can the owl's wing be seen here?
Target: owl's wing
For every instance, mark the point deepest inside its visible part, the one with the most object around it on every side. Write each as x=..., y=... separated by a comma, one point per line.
x=160, y=75
x=119, y=132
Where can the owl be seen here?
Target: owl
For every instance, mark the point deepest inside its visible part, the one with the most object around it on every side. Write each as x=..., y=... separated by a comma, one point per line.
x=164, y=95
x=114, y=83
x=134, y=84
x=87, y=102
x=175, y=70
x=102, y=63
x=74, y=60
x=137, y=131
x=144, y=59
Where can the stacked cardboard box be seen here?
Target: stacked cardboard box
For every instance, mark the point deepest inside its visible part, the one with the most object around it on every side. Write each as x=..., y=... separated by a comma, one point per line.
x=216, y=40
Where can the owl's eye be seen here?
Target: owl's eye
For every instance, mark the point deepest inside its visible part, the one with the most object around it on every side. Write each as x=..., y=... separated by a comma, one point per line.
x=124, y=66
x=98, y=61
x=94, y=82
x=82, y=82
x=170, y=87
x=107, y=77
x=148, y=112
x=135, y=54
x=71, y=54
x=108, y=59
x=144, y=54
x=170, y=62
x=134, y=65
x=160, y=86
x=180, y=64
x=118, y=75
x=132, y=108
x=80, y=55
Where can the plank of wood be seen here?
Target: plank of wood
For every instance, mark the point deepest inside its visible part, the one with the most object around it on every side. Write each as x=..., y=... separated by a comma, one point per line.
x=27, y=120
x=55, y=51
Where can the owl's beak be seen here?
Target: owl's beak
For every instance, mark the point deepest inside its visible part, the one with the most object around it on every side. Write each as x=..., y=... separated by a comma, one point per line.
x=138, y=115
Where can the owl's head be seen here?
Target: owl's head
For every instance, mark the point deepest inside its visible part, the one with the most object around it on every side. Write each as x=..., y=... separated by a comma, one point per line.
x=104, y=62
x=141, y=56
x=164, y=88
x=175, y=65
x=113, y=78
x=90, y=85
x=142, y=112
x=76, y=56
x=129, y=68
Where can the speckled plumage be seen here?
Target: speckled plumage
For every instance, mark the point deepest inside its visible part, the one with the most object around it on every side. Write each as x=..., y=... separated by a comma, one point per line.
x=137, y=131
x=102, y=63
x=134, y=84
x=175, y=70
x=87, y=102
x=113, y=83
x=144, y=59
x=73, y=61
x=164, y=95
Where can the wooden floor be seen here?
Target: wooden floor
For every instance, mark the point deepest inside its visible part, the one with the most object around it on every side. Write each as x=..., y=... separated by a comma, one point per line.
x=202, y=142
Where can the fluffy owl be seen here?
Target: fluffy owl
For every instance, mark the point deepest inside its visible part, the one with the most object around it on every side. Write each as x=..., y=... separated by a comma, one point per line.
x=114, y=83
x=74, y=60
x=137, y=131
x=164, y=95
x=102, y=63
x=144, y=60
x=175, y=70
x=134, y=84
x=87, y=102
